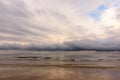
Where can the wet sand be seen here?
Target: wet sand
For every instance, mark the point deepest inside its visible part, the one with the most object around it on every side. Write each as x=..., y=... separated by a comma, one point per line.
x=62, y=65
x=21, y=72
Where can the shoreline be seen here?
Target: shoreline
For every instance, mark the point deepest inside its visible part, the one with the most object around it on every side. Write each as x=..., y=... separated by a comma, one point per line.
x=62, y=66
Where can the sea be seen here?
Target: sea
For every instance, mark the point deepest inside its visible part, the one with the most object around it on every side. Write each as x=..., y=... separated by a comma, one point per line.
x=82, y=58
x=59, y=65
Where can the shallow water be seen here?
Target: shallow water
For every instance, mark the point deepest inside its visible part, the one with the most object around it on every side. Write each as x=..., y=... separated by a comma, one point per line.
x=33, y=65
x=57, y=73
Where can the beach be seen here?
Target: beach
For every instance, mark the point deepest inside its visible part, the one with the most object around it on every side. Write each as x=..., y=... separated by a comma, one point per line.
x=37, y=65
x=13, y=72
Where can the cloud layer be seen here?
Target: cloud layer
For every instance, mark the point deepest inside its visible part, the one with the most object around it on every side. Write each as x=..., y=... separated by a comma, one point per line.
x=61, y=24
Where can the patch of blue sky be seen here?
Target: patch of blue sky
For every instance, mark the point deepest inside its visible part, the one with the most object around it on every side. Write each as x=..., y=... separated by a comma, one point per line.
x=97, y=13
x=101, y=8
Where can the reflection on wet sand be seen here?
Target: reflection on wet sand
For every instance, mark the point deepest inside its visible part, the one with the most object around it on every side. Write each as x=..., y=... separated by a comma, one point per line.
x=57, y=73
x=59, y=65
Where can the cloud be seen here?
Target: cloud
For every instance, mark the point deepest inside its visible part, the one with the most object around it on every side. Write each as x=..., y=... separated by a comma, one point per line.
x=67, y=45
x=60, y=24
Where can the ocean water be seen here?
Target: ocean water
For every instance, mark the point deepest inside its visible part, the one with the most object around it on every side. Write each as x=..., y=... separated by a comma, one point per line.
x=59, y=65
x=76, y=58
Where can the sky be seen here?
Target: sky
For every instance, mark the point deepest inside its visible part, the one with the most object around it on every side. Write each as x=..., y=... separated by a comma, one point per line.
x=89, y=24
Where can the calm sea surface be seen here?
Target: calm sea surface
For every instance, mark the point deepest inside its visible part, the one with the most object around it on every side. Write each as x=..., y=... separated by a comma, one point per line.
x=91, y=58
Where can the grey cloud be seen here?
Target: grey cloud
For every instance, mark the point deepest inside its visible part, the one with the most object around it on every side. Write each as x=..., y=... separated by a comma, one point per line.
x=19, y=39
x=17, y=24
x=15, y=27
x=13, y=21
x=12, y=18
x=55, y=14
x=16, y=16
x=67, y=45
x=118, y=14
x=16, y=8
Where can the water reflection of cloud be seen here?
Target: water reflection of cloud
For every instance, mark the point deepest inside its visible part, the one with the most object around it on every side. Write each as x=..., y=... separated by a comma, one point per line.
x=58, y=73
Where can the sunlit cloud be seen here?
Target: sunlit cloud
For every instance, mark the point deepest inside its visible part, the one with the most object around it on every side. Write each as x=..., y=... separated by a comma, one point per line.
x=65, y=23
